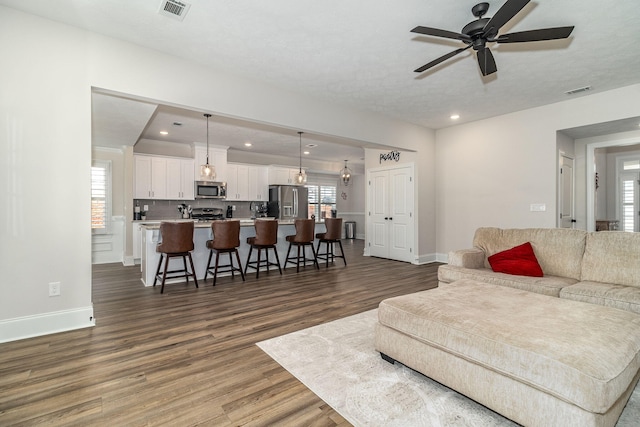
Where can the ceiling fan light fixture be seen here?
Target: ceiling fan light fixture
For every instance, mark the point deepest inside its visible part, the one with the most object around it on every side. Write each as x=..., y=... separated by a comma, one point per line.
x=345, y=174
x=207, y=171
x=301, y=177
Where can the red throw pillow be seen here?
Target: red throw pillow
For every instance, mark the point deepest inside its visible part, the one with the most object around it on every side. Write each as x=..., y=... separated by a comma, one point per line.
x=519, y=260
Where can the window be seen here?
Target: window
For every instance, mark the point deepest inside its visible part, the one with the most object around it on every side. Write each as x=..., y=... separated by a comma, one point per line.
x=100, y=196
x=322, y=196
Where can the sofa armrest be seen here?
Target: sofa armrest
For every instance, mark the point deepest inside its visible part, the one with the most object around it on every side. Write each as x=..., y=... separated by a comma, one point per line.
x=467, y=258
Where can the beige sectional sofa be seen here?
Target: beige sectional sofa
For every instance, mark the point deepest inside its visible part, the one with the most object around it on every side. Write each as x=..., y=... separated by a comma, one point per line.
x=529, y=347
x=600, y=267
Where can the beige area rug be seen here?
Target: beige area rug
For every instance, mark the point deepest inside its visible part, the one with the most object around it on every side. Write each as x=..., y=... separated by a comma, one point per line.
x=338, y=363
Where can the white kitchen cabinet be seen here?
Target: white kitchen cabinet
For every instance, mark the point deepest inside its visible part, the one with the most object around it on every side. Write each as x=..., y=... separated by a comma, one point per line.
x=279, y=175
x=247, y=182
x=150, y=177
x=137, y=241
x=217, y=157
x=162, y=178
x=259, y=183
x=237, y=182
x=179, y=179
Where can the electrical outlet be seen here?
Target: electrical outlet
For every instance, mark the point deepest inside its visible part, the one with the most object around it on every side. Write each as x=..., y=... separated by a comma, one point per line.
x=233, y=207
x=145, y=208
x=54, y=289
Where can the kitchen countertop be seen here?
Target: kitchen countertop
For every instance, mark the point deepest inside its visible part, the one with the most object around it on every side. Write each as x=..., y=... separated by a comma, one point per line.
x=244, y=222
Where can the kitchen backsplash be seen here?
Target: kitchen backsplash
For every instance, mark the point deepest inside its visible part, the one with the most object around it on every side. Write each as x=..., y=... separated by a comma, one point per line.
x=168, y=209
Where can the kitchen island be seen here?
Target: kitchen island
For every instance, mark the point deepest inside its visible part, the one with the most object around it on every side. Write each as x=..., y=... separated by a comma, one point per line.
x=202, y=232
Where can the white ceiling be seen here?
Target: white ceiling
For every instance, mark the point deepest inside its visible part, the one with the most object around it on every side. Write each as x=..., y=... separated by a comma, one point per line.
x=364, y=57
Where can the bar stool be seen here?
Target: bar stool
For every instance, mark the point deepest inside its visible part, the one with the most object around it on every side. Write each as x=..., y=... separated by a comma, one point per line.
x=330, y=237
x=226, y=239
x=302, y=239
x=266, y=238
x=177, y=241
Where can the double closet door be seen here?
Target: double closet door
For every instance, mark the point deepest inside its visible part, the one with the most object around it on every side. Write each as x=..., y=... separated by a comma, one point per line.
x=390, y=213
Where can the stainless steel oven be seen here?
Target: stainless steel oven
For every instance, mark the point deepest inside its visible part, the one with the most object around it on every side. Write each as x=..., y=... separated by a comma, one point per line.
x=210, y=190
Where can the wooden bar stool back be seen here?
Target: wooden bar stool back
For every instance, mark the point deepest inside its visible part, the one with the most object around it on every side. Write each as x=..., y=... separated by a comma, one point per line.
x=266, y=238
x=226, y=239
x=177, y=241
x=330, y=238
x=302, y=239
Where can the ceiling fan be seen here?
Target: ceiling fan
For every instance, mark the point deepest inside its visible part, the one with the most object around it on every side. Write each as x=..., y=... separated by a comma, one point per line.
x=477, y=33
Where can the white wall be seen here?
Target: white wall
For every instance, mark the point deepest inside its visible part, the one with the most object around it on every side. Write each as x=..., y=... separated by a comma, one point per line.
x=45, y=152
x=45, y=190
x=489, y=172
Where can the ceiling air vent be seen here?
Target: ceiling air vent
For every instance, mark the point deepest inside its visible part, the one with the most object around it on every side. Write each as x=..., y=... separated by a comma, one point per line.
x=580, y=89
x=174, y=9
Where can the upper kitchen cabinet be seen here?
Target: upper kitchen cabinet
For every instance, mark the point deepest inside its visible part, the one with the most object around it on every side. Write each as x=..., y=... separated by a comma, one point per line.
x=279, y=175
x=247, y=182
x=163, y=178
x=150, y=177
x=180, y=179
x=217, y=157
x=259, y=183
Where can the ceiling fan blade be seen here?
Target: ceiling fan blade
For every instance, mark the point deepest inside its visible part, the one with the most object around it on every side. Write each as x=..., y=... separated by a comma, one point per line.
x=441, y=59
x=486, y=62
x=436, y=32
x=536, y=35
x=503, y=15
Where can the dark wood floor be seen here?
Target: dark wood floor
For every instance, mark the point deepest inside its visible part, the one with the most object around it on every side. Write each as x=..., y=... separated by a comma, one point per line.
x=188, y=357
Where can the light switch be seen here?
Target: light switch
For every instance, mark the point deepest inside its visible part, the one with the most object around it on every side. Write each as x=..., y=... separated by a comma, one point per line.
x=537, y=207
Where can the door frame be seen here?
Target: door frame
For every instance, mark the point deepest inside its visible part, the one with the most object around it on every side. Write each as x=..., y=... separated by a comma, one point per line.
x=590, y=174
x=561, y=196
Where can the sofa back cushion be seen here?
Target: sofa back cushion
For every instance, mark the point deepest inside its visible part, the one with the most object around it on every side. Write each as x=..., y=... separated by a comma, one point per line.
x=612, y=257
x=559, y=250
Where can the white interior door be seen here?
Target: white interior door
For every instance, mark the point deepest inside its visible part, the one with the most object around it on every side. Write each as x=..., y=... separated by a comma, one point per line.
x=378, y=214
x=390, y=217
x=566, y=192
x=401, y=214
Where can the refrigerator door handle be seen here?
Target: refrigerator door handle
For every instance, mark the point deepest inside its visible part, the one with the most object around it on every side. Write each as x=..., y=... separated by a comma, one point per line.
x=295, y=203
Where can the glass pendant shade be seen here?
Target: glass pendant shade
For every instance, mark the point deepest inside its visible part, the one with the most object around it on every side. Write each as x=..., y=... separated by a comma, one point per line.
x=208, y=171
x=301, y=177
x=345, y=174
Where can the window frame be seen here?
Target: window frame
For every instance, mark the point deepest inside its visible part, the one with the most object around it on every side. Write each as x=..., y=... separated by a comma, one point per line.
x=106, y=220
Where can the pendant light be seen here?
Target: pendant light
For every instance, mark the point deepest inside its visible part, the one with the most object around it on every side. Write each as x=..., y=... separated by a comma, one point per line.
x=208, y=171
x=301, y=177
x=345, y=174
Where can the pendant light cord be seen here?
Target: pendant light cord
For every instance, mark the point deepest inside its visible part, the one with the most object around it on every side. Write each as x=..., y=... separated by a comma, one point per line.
x=300, y=163
x=207, y=116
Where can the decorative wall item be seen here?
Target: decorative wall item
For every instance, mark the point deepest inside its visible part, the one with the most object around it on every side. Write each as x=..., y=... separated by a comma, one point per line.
x=344, y=196
x=391, y=155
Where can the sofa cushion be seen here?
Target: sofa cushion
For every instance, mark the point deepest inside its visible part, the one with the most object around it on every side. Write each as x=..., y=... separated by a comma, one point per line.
x=612, y=257
x=585, y=354
x=616, y=296
x=559, y=250
x=547, y=285
x=520, y=260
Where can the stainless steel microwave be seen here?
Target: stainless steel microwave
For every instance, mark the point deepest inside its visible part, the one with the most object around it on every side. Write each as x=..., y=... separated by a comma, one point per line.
x=210, y=190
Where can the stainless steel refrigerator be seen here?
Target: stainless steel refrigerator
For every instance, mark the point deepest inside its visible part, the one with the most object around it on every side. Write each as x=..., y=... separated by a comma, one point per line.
x=288, y=202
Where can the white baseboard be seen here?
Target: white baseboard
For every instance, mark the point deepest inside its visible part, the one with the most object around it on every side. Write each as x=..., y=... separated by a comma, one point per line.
x=128, y=261
x=425, y=259
x=45, y=324
x=442, y=258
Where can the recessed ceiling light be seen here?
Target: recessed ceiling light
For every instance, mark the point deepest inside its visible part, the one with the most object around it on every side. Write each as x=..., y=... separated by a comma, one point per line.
x=164, y=132
x=247, y=144
x=455, y=116
x=305, y=152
